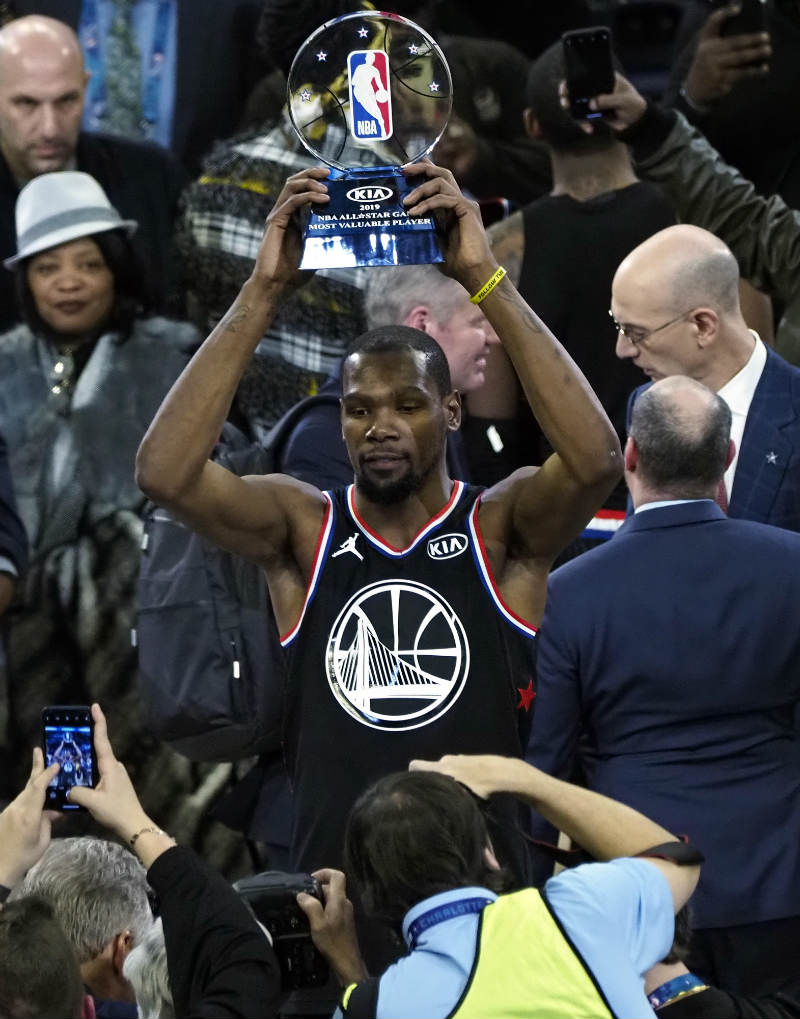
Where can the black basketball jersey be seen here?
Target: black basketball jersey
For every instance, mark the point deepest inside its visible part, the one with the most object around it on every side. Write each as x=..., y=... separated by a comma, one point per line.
x=397, y=654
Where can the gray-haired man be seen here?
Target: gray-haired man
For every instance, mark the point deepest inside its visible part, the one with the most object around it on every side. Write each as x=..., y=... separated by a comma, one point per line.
x=99, y=894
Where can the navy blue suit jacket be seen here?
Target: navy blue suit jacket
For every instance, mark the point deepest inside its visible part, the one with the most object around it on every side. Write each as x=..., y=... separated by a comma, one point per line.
x=766, y=485
x=669, y=658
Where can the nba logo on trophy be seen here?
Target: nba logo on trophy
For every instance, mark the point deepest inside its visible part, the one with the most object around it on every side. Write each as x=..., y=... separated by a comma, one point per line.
x=370, y=98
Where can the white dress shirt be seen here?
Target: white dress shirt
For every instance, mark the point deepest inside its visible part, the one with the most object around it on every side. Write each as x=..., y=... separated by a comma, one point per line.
x=738, y=394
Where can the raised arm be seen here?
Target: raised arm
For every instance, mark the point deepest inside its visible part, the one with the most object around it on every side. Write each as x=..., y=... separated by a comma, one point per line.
x=25, y=826
x=603, y=827
x=218, y=959
x=247, y=515
x=762, y=232
x=534, y=514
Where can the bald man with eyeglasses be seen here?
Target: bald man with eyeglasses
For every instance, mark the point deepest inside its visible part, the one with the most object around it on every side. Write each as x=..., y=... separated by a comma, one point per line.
x=675, y=305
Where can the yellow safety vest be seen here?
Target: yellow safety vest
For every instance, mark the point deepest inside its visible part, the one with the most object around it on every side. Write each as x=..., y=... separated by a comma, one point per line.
x=525, y=967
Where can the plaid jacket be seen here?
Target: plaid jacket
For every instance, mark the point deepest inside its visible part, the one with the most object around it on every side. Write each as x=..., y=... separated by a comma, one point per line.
x=221, y=228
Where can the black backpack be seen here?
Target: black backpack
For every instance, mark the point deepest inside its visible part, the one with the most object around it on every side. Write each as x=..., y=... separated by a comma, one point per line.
x=211, y=667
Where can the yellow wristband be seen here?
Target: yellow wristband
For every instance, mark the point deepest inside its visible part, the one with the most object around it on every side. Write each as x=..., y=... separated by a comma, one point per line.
x=488, y=286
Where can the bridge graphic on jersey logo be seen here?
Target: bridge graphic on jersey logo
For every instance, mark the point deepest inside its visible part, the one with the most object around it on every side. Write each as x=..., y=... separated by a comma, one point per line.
x=397, y=655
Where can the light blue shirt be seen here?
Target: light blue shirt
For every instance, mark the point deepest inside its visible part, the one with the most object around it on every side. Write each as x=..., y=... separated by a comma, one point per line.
x=159, y=63
x=618, y=915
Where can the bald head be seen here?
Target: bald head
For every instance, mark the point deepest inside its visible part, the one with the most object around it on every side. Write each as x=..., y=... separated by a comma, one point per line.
x=676, y=297
x=38, y=37
x=680, y=268
x=42, y=86
x=681, y=433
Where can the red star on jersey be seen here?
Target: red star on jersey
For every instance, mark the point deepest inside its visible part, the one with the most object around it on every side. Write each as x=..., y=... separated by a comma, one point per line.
x=526, y=696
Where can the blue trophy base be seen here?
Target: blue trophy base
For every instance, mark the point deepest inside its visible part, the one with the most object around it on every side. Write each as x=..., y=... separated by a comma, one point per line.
x=365, y=223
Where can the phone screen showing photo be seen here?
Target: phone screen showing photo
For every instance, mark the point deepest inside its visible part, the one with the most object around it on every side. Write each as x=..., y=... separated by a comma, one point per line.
x=68, y=742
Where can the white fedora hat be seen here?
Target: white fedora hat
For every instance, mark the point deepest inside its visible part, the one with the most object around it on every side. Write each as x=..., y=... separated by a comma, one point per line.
x=58, y=207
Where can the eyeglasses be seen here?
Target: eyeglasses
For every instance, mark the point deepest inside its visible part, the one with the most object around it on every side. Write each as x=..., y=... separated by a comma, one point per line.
x=638, y=334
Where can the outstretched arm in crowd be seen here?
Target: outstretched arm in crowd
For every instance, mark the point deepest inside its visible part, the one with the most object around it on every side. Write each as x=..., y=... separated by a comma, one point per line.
x=219, y=960
x=605, y=828
x=25, y=826
x=762, y=232
x=720, y=61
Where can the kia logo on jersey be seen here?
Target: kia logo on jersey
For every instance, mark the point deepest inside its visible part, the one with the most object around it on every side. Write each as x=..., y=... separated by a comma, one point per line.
x=447, y=546
x=370, y=97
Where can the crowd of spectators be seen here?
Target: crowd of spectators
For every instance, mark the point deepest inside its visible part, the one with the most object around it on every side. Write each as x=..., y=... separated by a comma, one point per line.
x=530, y=566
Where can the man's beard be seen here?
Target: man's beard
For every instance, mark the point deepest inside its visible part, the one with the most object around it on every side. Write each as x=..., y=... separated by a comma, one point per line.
x=390, y=493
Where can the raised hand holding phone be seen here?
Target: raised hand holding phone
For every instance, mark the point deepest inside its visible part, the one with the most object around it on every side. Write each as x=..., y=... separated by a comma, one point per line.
x=113, y=800
x=68, y=740
x=621, y=107
x=25, y=825
x=589, y=68
x=733, y=44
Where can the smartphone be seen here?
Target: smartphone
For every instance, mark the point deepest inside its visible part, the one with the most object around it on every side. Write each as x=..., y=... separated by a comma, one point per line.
x=68, y=738
x=589, y=68
x=751, y=18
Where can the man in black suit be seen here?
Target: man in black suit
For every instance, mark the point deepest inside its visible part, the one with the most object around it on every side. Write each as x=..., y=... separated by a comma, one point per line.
x=218, y=33
x=42, y=90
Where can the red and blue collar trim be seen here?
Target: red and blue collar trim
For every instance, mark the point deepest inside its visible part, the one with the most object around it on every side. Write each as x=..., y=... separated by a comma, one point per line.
x=377, y=541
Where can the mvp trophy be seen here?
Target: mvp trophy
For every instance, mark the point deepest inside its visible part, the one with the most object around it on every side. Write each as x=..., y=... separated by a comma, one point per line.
x=368, y=92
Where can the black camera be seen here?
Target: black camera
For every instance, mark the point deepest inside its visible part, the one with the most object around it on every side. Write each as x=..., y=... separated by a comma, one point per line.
x=272, y=897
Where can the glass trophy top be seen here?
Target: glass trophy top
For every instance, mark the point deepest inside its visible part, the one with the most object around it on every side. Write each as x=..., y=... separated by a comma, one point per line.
x=369, y=89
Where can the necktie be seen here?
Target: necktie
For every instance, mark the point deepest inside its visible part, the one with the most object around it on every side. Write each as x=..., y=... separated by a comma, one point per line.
x=123, y=74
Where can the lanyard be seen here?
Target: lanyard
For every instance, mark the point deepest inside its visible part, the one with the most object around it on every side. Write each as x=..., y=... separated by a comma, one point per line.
x=460, y=907
x=90, y=34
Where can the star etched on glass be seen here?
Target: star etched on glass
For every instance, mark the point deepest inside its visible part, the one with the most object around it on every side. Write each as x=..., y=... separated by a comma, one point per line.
x=413, y=49
x=362, y=33
x=322, y=56
x=434, y=86
x=305, y=95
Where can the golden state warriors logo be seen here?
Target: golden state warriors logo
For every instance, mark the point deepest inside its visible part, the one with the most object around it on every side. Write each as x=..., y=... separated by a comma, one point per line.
x=397, y=656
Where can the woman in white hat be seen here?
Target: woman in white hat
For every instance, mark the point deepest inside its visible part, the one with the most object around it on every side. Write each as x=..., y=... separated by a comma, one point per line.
x=81, y=379
x=75, y=270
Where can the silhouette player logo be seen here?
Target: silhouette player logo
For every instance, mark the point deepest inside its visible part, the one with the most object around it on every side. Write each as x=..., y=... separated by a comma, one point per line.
x=370, y=96
x=348, y=545
x=397, y=656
